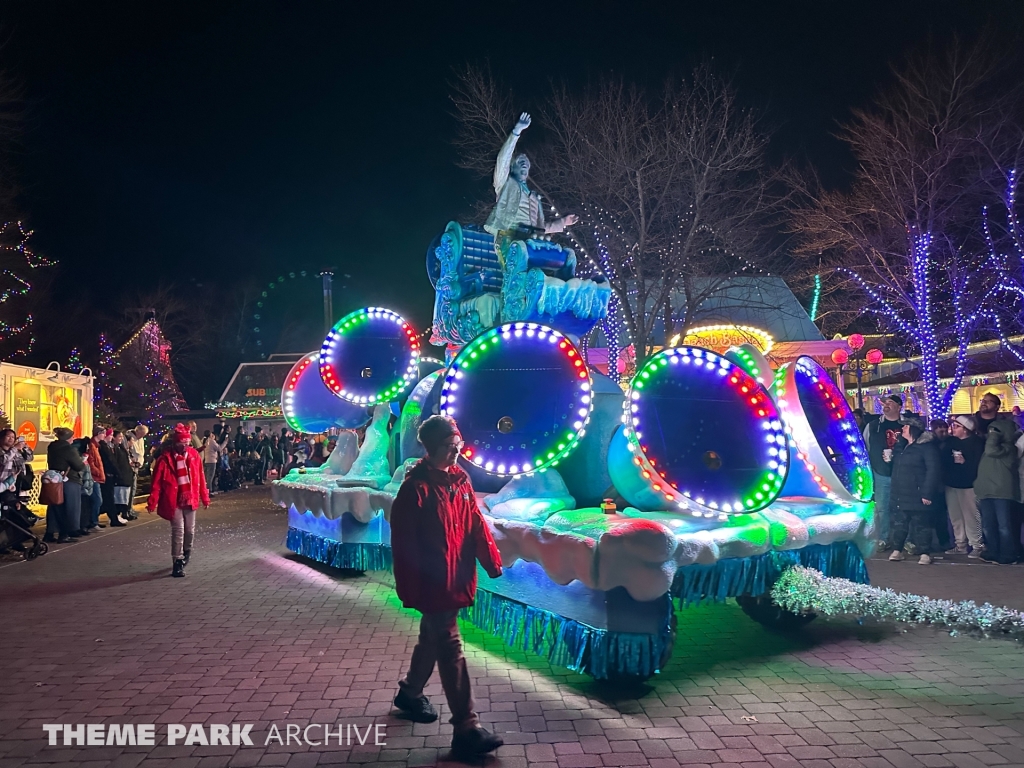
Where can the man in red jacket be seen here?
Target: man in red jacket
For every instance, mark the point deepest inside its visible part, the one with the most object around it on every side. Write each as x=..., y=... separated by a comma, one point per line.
x=437, y=536
x=178, y=488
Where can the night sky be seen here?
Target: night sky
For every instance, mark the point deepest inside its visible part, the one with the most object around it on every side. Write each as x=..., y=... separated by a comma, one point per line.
x=175, y=142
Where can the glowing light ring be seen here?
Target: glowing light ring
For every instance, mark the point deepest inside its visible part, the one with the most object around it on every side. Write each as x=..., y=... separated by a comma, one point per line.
x=349, y=328
x=505, y=454
x=308, y=406
x=755, y=396
x=841, y=469
x=750, y=360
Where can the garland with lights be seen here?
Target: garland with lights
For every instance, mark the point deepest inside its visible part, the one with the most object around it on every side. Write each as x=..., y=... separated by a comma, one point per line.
x=137, y=378
x=621, y=272
x=805, y=589
x=815, y=298
x=505, y=454
x=236, y=411
x=14, y=258
x=1009, y=264
x=915, y=312
x=75, y=360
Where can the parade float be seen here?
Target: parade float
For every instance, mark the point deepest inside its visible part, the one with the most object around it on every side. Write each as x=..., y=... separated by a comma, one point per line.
x=707, y=477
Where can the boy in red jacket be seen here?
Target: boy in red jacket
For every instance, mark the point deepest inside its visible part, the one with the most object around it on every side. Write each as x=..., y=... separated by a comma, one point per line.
x=437, y=536
x=179, y=486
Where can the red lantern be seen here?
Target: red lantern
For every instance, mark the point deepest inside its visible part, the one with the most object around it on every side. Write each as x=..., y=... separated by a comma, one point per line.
x=874, y=356
x=855, y=340
x=840, y=356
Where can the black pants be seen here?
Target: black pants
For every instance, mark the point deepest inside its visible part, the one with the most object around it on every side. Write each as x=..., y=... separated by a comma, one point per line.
x=914, y=531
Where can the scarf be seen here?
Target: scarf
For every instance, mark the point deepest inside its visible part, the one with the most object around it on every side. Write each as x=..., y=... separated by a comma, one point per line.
x=184, y=481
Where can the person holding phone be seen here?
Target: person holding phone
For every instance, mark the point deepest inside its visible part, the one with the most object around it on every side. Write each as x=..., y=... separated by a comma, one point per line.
x=881, y=437
x=961, y=455
x=916, y=487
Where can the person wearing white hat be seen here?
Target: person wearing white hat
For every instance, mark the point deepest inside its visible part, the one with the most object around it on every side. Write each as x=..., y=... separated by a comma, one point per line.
x=961, y=454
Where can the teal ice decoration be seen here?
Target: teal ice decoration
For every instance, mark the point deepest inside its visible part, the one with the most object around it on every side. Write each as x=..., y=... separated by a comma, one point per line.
x=755, y=575
x=358, y=556
x=571, y=644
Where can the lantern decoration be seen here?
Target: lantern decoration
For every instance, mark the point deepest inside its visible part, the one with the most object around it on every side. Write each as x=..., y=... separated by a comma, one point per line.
x=308, y=406
x=370, y=356
x=855, y=340
x=699, y=434
x=522, y=396
x=874, y=356
x=830, y=457
x=840, y=356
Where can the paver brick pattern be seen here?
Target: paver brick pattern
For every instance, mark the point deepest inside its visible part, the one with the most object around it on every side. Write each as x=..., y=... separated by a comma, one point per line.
x=96, y=632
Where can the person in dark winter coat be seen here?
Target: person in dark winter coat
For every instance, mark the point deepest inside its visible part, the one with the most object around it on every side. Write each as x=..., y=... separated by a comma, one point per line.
x=960, y=456
x=916, y=486
x=998, y=488
x=437, y=536
x=64, y=521
x=125, y=477
x=106, y=448
x=880, y=437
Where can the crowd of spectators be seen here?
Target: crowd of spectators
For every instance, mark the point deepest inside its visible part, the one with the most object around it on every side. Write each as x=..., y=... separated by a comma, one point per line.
x=950, y=487
x=102, y=474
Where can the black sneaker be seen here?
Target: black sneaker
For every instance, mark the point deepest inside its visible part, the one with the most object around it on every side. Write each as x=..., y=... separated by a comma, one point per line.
x=418, y=710
x=179, y=569
x=474, y=743
x=188, y=555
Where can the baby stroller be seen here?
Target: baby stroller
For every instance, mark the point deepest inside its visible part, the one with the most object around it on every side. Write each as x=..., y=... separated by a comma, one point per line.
x=15, y=526
x=227, y=475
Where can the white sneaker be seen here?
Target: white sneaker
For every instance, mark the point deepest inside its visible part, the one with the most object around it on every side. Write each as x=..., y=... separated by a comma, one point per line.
x=896, y=555
x=925, y=560
x=976, y=553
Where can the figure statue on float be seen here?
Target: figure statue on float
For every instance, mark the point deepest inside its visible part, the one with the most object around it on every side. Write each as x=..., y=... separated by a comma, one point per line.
x=518, y=211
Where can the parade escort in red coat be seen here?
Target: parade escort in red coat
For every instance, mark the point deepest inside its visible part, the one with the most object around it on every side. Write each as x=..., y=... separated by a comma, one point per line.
x=163, y=497
x=437, y=536
x=179, y=487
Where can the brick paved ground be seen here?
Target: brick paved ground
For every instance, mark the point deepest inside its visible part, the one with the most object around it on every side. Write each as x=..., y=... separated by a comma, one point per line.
x=254, y=635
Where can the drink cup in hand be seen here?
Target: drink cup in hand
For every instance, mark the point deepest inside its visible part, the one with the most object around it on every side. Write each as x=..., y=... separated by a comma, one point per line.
x=887, y=455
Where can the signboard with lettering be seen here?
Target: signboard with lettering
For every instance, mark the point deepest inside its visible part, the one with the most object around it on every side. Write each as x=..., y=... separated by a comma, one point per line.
x=26, y=411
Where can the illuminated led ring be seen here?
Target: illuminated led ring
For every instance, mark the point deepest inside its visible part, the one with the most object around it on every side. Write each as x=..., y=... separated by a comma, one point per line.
x=379, y=342
x=833, y=460
x=469, y=391
x=308, y=406
x=762, y=490
x=747, y=357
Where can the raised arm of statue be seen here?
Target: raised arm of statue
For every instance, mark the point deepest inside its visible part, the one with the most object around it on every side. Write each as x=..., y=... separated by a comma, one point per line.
x=504, y=162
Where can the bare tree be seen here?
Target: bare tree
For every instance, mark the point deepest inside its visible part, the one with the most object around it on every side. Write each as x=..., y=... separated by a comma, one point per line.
x=673, y=189
x=904, y=237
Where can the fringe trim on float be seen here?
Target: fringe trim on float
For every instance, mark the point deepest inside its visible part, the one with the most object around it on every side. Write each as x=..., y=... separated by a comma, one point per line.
x=731, y=577
x=571, y=644
x=802, y=589
x=359, y=557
